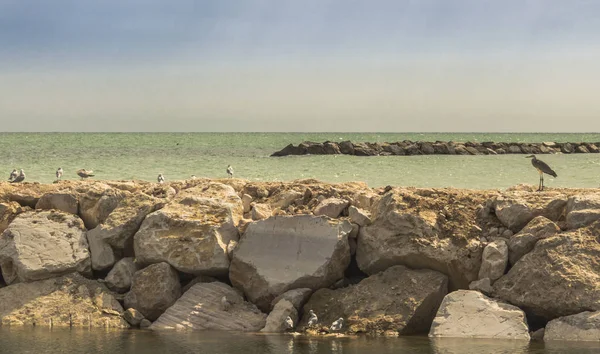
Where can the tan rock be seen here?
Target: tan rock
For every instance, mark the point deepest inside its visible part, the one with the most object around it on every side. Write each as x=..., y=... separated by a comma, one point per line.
x=331, y=207
x=284, y=199
x=8, y=211
x=133, y=317
x=246, y=201
x=524, y=241
x=66, y=202
x=584, y=326
x=516, y=212
x=358, y=216
x=297, y=297
x=120, y=276
x=582, y=210
x=96, y=203
x=261, y=211
x=276, y=320
x=484, y=286
x=494, y=260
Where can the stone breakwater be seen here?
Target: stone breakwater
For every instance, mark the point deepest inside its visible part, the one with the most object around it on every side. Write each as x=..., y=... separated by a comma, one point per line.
x=236, y=255
x=408, y=148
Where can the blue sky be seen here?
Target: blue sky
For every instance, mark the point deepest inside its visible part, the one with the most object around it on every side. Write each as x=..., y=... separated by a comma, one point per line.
x=330, y=65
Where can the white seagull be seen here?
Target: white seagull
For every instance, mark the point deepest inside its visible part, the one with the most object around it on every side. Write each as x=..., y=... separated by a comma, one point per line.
x=312, y=319
x=59, y=173
x=20, y=177
x=289, y=323
x=13, y=175
x=337, y=325
x=230, y=170
x=161, y=178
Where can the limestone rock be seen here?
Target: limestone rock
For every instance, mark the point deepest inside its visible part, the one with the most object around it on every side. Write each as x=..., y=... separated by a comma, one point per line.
x=484, y=286
x=297, y=297
x=524, y=241
x=120, y=276
x=260, y=211
x=584, y=326
x=41, y=245
x=538, y=335
x=101, y=254
x=66, y=202
x=565, y=263
x=8, y=211
x=398, y=299
x=470, y=314
x=133, y=317
x=288, y=252
x=515, y=213
x=494, y=260
x=97, y=203
x=331, y=207
x=276, y=320
x=246, y=200
x=200, y=309
x=582, y=210
x=153, y=290
x=358, y=216
x=284, y=199
x=65, y=301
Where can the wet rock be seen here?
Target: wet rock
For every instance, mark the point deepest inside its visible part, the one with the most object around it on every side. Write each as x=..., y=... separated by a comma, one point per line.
x=133, y=317
x=59, y=201
x=584, y=326
x=331, y=207
x=290, y=150
x=470, y=314
x=120, y=276
x=145, y=323
x=276, y=320
x=582, y=210
x=524, y=241
x=494, y=260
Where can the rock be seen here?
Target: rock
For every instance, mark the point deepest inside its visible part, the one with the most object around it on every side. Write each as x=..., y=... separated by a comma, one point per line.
x=153, y=290
x=562, y=264
x=354, y=233
x=494, y=260
x=284, y=199
x=353, y=244
x=200, y=309
x=261, y=211
x=133, y=317
x=538, y=335
x=120, y=276
x=515, y=213
x=196, y=280
x=231, y=246
x=398, y=299
x=101, y=254
x=346, y=147
x=67, y=301
x=43, y=244
x=582, y=210
x=524, y=241
x=97, y=203
x=8, y=211
x=331, y=207
x=276, y=320
x=288, y=252
x=584, y=326
x=246, y=200
x=297, y=297
x=191, y=233
x=331, y=148
x=470, y=314
x=145, y=323
x=358, y=216
x=290, y=150
x=60, y=201
x=484, y=286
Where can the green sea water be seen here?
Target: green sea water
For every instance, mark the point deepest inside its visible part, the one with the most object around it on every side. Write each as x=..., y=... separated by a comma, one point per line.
x=142, y=156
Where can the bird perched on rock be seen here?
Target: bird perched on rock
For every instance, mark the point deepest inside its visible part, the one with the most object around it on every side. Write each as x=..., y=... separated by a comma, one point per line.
x=312, y=319
x=289, y=323
x=337, y=325
x=59, y=173
x=193, y=177
x=161, y=178
x=225, y=304
x=542, y=168
x=13, y=174
x=83, y=173
x=230, y=170
x=20, y=177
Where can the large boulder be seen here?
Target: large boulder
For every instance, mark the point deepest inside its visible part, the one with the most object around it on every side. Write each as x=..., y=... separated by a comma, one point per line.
x=41, y=245
x=192, y=232
x=583, y=326
x=276, y=320
x=582, y=210
x=470, y=314
x=153, y=290
x=399, y=299
x=515, y=212
x=523, y=242
x=560, y=277
x=67, y=301
x=201, y=308
x=494, y=260
x=331, y=207
x=66, y=202
x=298, y=297
x=120, y=276
x=289, y=252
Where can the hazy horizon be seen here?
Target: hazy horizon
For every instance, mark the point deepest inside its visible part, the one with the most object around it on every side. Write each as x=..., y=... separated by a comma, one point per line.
x=314, y=66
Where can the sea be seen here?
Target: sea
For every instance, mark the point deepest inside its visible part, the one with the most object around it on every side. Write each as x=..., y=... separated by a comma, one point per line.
x=142, y=156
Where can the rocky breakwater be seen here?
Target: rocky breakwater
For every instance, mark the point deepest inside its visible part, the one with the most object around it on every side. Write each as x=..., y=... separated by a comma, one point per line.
x=245, y=256
x=407, y=148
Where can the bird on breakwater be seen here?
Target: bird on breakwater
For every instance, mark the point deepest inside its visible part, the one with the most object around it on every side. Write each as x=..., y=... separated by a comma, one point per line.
x=193, y=177
x=83, y=173
x=337, y=325
x=13, y=174
x=161, y=178
x=312, y=319
x=225, y=304
x=542, y=168
x=20, y=177
x=59, y=173
x=289, y=323
x=230, y=170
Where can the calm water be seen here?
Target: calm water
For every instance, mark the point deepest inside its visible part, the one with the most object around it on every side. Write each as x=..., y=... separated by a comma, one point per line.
x=179, y=155
x=42, y=340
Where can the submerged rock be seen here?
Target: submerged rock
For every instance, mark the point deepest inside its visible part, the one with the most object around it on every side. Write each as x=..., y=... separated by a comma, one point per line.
x=583, y=326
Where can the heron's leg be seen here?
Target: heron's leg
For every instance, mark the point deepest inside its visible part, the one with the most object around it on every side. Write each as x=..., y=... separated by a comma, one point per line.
x=542, y=176
x=540, y=182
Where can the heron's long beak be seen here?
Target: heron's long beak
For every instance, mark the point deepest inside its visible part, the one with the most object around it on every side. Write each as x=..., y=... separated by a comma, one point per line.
x=529, y=156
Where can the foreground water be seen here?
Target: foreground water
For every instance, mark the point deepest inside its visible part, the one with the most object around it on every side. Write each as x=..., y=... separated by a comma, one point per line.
x=179, y=155
x=43, y=340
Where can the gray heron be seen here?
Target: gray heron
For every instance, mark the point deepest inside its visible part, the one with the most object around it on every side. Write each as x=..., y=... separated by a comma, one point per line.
x=542, y=168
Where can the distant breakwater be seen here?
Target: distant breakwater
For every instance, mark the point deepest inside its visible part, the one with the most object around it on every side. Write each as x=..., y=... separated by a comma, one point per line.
x=408, y=148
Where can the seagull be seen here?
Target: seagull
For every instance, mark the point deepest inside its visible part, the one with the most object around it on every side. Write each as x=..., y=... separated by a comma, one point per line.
x=59, y=173
x=193, y=177
x=161, y=178
x=312, y=319
x=289, y=323
x=337, y=325
x=13, y=175
x=230, y=170
x=20, y=177
x=225, y=304
x=83, y=173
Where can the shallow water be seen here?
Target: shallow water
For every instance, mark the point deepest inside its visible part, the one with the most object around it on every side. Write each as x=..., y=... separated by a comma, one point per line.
x=179, y=155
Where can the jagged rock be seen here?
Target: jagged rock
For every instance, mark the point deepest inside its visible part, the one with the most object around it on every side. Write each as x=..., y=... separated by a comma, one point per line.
x=120, y=276
x=484, y=286
x=283, y=253
x=470, y=314
x=133, y=317
x=515, y=213
x=145, y=323
x=562, y=264
x=494, y=260
x=101, y=254
x=8, y=211
x=65, y=301
x=582, y=210
x=191, y=233
x=331, y=207
x=153, y=290
x=358, y=216
x=97, y=203
x=284, y=199
x=346, y=147
x=524, y=241
x=43, y=244
x=246, y=200
x=260, y=211
x=353, y=244
x=331, y=148
x=290, y=150
x=584, y=326
x=200, y=309
x=60, y=201
x=398, y=299
x=276, y=320
x=354, y=233
x=297, y=297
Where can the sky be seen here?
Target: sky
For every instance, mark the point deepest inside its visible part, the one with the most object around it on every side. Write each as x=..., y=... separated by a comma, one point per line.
x=300, y=66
